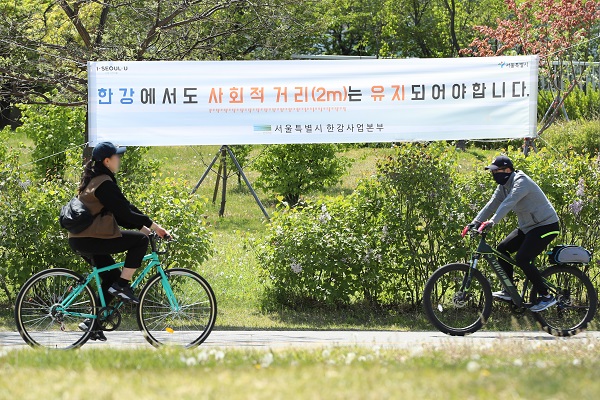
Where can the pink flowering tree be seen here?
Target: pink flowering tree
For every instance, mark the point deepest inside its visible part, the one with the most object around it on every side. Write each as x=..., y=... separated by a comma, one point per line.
x=559, y=31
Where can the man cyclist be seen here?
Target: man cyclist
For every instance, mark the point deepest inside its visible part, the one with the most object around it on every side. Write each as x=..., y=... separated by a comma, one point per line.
x=537, y=225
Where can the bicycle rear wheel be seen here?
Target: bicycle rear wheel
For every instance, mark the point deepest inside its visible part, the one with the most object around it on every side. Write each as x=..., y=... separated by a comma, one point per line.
x=38, y=314
x=186, y=324
x=451, y=309
x=577, y=301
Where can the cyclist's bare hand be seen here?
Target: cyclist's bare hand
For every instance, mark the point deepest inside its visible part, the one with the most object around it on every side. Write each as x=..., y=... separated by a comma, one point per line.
x=160, y=231
x=163, y=233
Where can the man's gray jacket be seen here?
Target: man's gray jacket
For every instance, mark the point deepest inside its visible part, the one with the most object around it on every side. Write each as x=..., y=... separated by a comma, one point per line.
x=523, y=196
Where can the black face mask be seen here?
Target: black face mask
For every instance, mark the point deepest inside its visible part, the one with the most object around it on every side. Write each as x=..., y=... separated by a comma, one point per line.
x=501, y=177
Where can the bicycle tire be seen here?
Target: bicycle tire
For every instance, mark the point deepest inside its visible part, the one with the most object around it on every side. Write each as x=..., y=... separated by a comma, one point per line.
x=177, y=327
x=452, y=305
x=38, y=305
x=581, y=314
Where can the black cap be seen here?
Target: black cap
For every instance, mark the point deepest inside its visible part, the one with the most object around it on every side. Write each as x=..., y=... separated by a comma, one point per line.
x=500, y=162
x=106, y=150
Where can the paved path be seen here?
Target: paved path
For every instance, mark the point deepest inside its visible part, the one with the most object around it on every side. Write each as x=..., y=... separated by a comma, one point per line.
x=283, y=339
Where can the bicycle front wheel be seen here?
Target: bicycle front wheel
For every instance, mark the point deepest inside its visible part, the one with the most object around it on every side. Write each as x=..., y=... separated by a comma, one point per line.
x=39, y=314
x=457, y=299
x=577, y=301
x=180, y=312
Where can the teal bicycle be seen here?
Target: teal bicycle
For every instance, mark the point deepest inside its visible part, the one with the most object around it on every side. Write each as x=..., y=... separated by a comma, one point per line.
x=177, y=306
x=457, y=298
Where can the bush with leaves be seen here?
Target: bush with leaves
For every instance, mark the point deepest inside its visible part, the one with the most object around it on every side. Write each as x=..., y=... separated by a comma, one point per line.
x=167, y=201
x=381, y=243
x=31, y=238
x=582, y=137
x=378, y=245
x=291, y=170
x=52, y=129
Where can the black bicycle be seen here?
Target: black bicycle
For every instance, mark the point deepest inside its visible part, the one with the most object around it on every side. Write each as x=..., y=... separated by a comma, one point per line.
x=458, y=297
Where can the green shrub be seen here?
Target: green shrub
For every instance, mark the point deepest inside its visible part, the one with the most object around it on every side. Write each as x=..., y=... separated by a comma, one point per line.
x=374, y=245
x=32, y=240
x=291, y=170
x=52, y=129
x=168, y=202
x=581, y=137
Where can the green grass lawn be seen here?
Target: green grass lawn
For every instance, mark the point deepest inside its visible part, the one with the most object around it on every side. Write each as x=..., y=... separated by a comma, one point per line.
x=561, y=369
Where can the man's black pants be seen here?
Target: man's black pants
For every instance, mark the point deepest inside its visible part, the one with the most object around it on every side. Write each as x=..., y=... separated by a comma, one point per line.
x=528, y=246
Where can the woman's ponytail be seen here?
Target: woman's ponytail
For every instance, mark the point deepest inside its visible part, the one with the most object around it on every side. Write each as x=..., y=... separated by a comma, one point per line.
x=88, y=174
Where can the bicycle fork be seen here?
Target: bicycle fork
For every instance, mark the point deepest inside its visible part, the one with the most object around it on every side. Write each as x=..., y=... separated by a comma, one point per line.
x=466, y=284
x=169, y=291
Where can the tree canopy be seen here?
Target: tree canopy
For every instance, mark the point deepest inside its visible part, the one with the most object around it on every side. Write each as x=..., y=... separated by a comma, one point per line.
x=45, y=44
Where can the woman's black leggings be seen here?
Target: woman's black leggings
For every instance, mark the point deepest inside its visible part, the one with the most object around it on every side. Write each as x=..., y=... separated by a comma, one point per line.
x=98, y=252
x=528, y=246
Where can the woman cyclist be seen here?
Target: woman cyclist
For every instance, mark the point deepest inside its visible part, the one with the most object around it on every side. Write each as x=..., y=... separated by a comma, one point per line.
x=99, y=191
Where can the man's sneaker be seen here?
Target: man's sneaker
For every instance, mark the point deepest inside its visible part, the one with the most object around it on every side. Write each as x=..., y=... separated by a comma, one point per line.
x=502, y=295
x=543, y=303
x=123, y=293
x=96, y=334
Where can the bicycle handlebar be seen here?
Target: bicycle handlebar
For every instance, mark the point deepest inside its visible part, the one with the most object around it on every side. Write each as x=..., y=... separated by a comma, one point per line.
x=154, y=238
x=473, y=231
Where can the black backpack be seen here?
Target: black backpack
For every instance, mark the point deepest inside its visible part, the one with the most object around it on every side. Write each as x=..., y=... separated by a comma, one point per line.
x=75, y=216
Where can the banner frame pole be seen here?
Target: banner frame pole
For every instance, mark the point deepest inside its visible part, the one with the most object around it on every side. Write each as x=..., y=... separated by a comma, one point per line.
x=241, y=172
x=205, y=174
x=224, y=179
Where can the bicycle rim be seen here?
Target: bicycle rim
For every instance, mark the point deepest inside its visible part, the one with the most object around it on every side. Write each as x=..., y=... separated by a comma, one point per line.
x=577, y=302
x=39, y=321
x=187, y=326
x=450, y=308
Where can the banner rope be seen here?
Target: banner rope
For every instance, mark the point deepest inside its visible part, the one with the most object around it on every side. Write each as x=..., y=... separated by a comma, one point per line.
x=52, y=155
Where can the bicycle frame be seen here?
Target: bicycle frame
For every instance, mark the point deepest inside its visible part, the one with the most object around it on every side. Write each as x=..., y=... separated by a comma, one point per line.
x=491, y=255
x=153, y=262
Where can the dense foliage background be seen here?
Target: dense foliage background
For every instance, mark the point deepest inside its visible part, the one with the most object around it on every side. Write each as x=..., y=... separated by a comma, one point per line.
x=376, y=245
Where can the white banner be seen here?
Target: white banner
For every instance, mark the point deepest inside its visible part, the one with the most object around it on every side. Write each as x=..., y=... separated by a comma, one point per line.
x=158, y=103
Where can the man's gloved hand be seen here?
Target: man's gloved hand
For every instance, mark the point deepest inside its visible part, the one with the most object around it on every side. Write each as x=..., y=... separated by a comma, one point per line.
x=472, y=225
x=485, y=226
